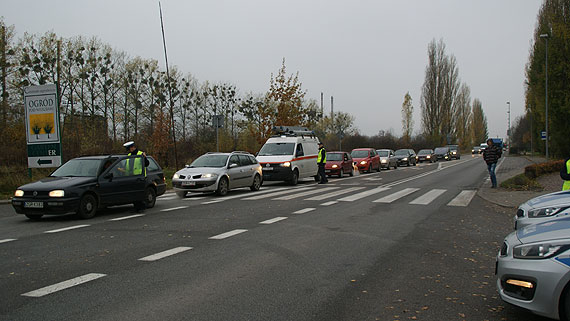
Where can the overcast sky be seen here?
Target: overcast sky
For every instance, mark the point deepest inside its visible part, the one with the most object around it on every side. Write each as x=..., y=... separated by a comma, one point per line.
x=367, y=54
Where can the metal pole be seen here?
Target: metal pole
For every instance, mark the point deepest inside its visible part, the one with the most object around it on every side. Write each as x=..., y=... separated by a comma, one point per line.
x=546, y=96
x=531, y=133
x=509, y=126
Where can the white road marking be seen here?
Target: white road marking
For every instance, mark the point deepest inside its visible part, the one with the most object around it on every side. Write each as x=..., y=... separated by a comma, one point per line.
x=265, y=191
x=173, y=208
x=253, y=198
x=329, y=203
x=212, y=202
x=305, y=210
x=428, y=197
x=164, y=254
x=227, y=234
x=126, y=217
x=7, y=240
x=67, y=228
x=63, y=285
x=193, y=198
x=166, y=198
x=463, y=199
x=273, y=220
x=306, y=193
x=334, y=194
x=364, y=194
x=395, y=196
x=372, y=178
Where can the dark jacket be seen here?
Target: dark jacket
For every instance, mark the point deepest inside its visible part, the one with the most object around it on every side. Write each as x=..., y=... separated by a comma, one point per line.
x=564, y=171
x=492, y=154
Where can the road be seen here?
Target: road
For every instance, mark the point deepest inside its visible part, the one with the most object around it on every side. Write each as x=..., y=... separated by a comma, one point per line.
x=414, y=243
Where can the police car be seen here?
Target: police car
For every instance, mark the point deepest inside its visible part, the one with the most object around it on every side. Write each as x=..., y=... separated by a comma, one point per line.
x=533, y=268
x=542, y=208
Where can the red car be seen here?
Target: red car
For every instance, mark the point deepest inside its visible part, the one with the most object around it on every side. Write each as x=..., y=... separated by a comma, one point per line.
x=339, y=163
x=366, y=159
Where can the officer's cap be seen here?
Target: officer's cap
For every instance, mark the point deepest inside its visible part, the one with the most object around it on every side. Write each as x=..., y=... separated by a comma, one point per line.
x=128, y=145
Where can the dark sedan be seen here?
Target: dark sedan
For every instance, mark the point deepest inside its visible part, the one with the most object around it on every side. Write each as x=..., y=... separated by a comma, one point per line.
x=443, y=153
x=405, y=157
x=426, y=155
x=84, y=184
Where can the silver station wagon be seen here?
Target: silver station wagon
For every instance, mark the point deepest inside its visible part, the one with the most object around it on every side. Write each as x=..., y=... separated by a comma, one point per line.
x=218, y=172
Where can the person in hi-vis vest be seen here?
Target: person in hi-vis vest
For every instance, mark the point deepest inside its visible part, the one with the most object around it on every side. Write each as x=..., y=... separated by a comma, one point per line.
x=321, y=162
x=565, y=174
x=135, y=166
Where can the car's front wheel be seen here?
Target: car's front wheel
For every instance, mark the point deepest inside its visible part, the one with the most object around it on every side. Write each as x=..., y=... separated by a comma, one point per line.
x=256, y=185
x=222, y=187
x=565, y=304
x=181, y=194
x=295, y=178
x=87, y=206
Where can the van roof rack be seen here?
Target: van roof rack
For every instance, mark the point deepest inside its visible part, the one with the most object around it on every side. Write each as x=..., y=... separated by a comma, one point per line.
x=292, y=131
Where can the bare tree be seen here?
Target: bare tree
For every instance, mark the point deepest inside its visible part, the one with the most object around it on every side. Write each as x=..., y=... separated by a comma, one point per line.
x=463, y=116
x=479, y=123
x=407, y=121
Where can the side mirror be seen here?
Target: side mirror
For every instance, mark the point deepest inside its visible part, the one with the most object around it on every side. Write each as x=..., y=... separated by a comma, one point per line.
x=232, y=165
x=299, y=153
x=186, y=166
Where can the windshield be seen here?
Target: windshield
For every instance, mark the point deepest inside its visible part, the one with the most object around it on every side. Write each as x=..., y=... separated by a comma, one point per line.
x=453, y=147
x=78, y=167
x=401, y=152
x=424, y=152
x=359, y=154
x=277, y=149
x=213, y=160
x=441, y=150
x=334, y=156
x=383, y=153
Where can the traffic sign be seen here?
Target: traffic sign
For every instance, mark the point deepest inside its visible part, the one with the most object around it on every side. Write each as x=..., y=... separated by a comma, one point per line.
x=543, y=135
x=42, y=126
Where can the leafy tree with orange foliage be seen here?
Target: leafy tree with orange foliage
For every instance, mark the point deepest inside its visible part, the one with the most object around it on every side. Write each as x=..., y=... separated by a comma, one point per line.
x=288, y=95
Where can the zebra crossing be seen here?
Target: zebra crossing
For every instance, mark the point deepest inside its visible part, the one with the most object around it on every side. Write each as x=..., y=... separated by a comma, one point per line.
x=336, y=194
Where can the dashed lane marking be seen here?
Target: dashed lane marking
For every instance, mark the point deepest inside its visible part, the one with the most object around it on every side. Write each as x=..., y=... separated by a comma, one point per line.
x=463, y=199
x=63, y=285
x=227, y=234
x=395, y=196
x=164, y=254
x=273, y=220
x=7, y=240
x=329, y=203
x=305, y=210
x=173, y=208
x=257, y=193
x=126, y=217
x=428, y=197
x=67, y=228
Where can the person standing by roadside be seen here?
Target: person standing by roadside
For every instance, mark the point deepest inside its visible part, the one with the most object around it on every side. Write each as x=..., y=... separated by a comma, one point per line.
x=565, y=174
x=491, y=156
x=321, y=162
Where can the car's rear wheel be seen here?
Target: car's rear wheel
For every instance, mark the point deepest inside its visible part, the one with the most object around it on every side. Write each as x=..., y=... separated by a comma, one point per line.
x=565, y=305
x=256, y=183
x=351, y=173
x=87, y=206
x=295, y=178
x=34, y=217
x=149, y=197
x=222, y=187
x=181, y=194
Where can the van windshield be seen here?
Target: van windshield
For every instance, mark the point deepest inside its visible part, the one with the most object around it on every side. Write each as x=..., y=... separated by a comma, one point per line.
x=272, y=149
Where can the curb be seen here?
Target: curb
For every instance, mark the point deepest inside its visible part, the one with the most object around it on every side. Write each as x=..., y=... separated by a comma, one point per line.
x=480, y=194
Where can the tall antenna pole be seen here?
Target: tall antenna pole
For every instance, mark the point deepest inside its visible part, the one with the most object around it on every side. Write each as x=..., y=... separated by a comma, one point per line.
x=169, y=88
x=322, y=110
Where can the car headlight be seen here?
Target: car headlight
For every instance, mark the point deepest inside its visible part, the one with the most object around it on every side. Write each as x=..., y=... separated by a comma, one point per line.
x=539, y=251
x=19, y=193
x=405, y=159
x=209, y=175
x=176, y=176
x=363, y=163
x=547, y=211
x=286, y=164
x=57, y=193
x=335, y=166
x=383, y=161
x=428, y=156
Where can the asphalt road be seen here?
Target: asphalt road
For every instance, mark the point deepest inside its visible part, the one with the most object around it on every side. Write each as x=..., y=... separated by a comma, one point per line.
x=414, y=243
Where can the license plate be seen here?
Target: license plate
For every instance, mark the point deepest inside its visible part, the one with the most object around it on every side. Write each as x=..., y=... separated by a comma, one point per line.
x=34, y=204
x=188, y=183
x=267, y=168
x=327, y=171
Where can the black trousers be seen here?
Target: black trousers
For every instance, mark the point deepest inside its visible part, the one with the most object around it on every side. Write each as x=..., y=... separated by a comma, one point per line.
x=322, y=173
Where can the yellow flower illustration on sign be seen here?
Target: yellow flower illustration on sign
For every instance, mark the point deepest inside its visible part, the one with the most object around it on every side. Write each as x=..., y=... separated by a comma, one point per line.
x=41, y=124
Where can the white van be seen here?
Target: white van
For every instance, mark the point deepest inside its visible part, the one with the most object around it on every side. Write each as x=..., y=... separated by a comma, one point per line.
x=289, y=155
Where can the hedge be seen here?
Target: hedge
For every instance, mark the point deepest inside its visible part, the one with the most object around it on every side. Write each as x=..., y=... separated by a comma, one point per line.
x=535, y=170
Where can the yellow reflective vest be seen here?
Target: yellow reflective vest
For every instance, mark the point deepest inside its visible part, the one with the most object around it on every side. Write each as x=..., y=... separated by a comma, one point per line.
x=566, y=185
x=137, y=168
x=322, y=156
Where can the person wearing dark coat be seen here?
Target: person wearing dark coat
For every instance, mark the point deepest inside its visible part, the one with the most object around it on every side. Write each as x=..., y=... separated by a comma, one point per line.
x=491, y=156
x=565, y=174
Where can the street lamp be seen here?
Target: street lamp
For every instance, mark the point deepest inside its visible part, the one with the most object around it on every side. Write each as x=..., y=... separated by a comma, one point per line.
x=545, y=37
x=509, y=128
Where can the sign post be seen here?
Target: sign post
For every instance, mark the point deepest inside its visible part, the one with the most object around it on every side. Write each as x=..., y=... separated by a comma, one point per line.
x=42, y=126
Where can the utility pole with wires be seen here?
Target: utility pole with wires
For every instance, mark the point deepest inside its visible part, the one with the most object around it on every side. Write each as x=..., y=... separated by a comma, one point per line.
x=169, y=88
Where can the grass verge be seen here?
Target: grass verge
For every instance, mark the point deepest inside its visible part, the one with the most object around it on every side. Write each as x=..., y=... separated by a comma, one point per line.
x=521, y=183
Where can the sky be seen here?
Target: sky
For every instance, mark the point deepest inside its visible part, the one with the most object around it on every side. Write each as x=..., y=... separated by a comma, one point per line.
x=366, y=54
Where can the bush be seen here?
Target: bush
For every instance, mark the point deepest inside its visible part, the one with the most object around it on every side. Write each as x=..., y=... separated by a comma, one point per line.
x=536, y=170
x=521, y=182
